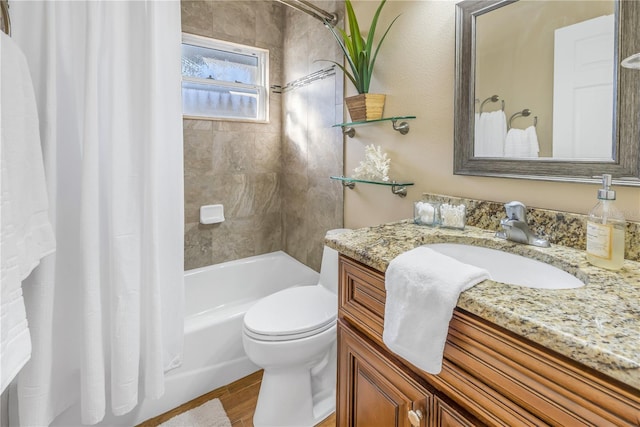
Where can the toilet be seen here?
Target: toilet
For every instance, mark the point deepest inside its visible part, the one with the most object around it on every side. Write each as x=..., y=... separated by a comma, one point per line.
x=291, y=334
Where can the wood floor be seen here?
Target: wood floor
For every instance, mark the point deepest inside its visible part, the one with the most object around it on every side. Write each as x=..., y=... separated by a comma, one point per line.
x=238, y=399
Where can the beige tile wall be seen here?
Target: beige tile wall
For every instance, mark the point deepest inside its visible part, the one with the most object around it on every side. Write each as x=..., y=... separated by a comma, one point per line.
x=273, y=184
x=312, y=149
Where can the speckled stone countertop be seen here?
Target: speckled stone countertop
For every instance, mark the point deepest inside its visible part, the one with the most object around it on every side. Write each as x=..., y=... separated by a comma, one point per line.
x=597, y=325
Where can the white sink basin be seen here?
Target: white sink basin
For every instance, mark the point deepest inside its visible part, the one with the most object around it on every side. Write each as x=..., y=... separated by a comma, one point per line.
x=510, y=268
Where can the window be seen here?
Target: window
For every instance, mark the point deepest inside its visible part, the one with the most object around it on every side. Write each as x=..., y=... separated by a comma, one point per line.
x=223, y=80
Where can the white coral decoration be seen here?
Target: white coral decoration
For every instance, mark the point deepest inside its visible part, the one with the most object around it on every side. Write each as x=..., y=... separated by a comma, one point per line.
x=375, y=165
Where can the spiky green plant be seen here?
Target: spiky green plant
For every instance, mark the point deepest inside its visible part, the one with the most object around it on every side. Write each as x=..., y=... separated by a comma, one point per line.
x=360, y=53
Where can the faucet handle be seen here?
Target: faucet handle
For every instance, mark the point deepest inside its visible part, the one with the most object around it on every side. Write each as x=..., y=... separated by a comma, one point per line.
x=516, y=211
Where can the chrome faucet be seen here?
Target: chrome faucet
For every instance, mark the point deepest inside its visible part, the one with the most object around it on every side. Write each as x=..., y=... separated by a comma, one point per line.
x=515, y=228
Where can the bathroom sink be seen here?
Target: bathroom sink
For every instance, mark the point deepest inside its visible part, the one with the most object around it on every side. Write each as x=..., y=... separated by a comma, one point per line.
x=510, y=268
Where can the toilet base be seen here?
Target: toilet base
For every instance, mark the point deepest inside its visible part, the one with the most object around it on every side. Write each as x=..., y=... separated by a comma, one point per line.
x=324, y=408
x=285, y=400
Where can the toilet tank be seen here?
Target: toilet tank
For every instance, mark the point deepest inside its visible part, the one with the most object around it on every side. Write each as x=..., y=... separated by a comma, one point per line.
x=329, y=266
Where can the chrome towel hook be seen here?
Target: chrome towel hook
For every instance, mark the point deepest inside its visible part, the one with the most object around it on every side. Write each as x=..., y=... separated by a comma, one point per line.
x=524, y=113
x=494, y=98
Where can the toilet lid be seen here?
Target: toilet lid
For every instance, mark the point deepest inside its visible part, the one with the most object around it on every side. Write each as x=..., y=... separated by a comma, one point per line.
x=292, y=313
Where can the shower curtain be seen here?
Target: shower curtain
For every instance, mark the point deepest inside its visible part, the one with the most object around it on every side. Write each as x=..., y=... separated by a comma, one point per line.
x=106, y=311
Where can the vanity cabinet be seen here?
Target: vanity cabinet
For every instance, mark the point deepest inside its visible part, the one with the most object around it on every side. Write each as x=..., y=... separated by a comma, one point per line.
x=489, y=377
x=377, y=391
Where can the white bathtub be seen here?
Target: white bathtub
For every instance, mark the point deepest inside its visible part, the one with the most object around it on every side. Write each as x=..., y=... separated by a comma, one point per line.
x=216, y=298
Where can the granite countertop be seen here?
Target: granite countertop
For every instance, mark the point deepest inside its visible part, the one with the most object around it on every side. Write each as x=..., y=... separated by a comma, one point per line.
x=597, y=325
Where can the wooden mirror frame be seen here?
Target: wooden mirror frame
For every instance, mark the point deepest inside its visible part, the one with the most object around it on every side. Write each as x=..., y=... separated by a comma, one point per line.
x=625, y=168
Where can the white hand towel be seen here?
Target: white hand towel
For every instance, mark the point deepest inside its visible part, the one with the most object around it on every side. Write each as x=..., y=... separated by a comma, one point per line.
x=491, y=133
x=532, y=141
x=478, y=133
x=521, y=143
x=423, y=287
x=496, y=133
x=26, y=235
x=514, y=144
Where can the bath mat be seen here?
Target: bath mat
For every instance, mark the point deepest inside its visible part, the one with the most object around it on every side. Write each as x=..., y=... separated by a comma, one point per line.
x=209, y=414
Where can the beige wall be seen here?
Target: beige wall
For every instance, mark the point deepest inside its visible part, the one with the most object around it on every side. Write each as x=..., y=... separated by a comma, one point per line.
x=416, y=70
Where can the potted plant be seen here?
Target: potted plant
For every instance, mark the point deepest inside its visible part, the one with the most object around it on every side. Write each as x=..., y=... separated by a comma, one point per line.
x=361, y=54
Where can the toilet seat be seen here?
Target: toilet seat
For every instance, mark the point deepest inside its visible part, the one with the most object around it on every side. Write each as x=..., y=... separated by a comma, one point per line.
x=291, y=314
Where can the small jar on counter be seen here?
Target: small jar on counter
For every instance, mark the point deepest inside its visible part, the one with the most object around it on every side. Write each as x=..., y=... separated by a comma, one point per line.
x=426, y=213
x=453, y=216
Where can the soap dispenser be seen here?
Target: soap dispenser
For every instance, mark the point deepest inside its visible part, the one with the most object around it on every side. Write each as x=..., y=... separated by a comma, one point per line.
x=605, y=230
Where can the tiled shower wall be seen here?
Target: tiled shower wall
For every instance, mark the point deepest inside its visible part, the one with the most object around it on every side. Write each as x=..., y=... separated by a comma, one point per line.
x=312, y=149
x=271, y=178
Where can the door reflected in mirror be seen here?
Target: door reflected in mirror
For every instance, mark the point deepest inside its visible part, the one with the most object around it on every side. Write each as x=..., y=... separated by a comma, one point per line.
x=545, y=75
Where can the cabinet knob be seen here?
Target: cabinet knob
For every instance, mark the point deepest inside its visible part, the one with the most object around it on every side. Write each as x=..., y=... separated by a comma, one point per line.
x=415, y=417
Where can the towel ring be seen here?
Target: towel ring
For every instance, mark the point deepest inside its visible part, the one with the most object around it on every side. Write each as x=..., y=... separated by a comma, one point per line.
x=524, y=113
x=494, y=98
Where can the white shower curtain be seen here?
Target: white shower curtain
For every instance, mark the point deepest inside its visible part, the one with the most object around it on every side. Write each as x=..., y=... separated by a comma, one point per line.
x=106, y=310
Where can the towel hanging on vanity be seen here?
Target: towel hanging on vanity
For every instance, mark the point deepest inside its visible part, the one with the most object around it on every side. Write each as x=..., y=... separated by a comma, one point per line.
x=423, y=287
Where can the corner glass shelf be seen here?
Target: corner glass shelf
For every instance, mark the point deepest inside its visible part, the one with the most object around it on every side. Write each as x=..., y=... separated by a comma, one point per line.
x=402, y=127
x=399, y=188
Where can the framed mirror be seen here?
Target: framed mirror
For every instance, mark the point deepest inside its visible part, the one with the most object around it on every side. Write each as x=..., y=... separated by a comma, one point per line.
x=539, y=91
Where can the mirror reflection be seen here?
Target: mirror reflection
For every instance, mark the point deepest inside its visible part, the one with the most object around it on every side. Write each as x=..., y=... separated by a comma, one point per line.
x=545, y=75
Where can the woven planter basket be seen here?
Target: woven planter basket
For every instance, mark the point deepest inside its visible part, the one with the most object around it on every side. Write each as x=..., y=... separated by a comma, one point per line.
x=365, y=106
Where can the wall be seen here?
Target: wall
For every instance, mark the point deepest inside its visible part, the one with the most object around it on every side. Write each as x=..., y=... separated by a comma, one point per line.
x=416, y=69
x=274, y=185
x=312, y=148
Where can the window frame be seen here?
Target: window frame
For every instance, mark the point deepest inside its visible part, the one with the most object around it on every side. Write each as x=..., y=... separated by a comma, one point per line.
x=262, y=87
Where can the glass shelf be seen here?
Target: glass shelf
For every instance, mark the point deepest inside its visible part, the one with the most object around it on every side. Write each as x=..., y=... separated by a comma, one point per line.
x=398, y=188
x=402, y=127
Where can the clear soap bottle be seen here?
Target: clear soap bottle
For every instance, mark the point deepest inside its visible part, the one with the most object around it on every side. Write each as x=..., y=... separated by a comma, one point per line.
x=606, y=230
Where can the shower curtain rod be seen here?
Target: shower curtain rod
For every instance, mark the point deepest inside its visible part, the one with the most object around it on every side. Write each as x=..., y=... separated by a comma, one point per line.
x=313, y=10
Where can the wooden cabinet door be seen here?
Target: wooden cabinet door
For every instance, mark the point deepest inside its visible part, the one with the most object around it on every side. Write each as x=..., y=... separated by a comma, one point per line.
x=372, y=390
x=445, y=415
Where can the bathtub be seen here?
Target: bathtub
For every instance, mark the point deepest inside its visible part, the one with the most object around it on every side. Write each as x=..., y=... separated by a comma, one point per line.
x=216, y=299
